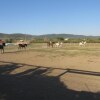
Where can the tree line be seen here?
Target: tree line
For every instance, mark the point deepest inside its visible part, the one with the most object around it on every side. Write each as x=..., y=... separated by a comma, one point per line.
x=44, y=40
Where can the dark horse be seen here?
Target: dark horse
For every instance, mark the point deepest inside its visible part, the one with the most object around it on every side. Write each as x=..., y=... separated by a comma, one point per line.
x=50, y=44
x=2, y=45
x=22, y=46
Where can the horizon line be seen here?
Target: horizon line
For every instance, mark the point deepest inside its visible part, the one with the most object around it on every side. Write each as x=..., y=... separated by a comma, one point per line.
x=47, y=34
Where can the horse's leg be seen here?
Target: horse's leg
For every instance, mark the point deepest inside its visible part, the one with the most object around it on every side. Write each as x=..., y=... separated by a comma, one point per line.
x=3, y=50
x=48, y=45
x=52, y=45
x=24, y=47
x=18, y=48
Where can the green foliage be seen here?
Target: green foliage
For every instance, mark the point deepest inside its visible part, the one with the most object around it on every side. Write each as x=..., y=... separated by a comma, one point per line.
x=70, y=40
x=53, y=37
x=93, y=40
x=9, y=40
x=37, y=40
x=60, y=38
x=88, y=40
x=74, y=40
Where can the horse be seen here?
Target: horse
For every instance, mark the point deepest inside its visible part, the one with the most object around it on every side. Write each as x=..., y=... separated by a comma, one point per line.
x=50, y=44
x=22, y=46
x=58, y=44
x=2, y=45
x=82, y=43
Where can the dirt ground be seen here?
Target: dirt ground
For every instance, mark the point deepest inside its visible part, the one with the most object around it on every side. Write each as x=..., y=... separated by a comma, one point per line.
x=49, y=76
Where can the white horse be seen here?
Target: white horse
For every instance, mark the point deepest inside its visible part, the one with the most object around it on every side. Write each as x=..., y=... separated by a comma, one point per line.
x=58, y=44
x=82, y=43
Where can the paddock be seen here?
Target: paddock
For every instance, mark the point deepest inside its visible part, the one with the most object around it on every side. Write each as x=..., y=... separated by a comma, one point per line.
x=69, y=70
x=67, y=48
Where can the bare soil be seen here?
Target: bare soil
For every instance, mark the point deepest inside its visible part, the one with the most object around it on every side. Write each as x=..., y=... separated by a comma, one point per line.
x=28, y=75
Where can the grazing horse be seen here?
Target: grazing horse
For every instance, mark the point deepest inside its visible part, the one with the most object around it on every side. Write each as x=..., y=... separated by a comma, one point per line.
x=50, y=44
x=2, y=44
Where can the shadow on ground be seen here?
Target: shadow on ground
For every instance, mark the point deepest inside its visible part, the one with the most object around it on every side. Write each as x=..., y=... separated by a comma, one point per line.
x=35, y=84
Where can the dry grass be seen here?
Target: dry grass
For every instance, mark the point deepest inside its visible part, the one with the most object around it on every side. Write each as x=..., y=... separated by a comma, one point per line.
x=40, y=73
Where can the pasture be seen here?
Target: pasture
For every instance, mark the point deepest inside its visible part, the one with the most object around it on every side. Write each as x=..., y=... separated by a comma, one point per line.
x=41, y=73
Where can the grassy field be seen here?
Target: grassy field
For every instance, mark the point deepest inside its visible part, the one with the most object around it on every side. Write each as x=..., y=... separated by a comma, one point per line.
x=70, y=72
x=70, y=49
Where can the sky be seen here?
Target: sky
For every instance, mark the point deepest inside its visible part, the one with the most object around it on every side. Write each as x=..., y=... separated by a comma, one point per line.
x=37, y=17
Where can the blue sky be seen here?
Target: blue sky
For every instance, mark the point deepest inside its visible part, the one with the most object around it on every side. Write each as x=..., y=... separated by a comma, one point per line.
x=50, y=16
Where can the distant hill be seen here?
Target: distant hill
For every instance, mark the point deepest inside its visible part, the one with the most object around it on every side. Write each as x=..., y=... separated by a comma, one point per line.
x=61, y=35
x=15, y=36
x=67, y=36
x=27, y=36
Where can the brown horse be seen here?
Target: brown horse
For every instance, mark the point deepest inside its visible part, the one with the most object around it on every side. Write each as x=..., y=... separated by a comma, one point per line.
x=2, y=45
x=22, y=46
x=50, y=44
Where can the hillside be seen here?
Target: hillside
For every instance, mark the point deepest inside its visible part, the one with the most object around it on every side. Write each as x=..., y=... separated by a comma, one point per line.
x=15, y=36
x=28, y=36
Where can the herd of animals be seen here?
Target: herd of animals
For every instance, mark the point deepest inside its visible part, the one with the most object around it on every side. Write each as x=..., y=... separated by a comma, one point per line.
x=22, y=44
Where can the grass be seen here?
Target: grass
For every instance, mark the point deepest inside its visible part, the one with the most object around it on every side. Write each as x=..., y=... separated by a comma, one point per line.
x=66, y=50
